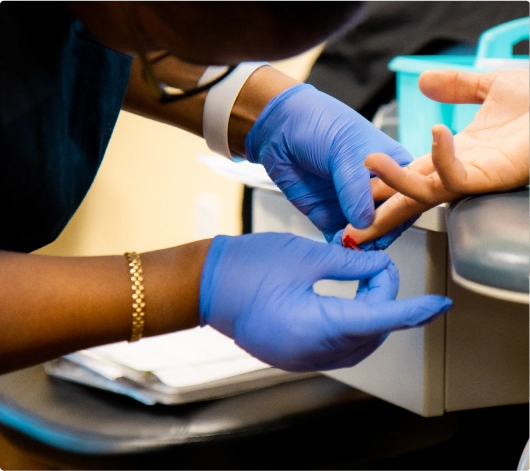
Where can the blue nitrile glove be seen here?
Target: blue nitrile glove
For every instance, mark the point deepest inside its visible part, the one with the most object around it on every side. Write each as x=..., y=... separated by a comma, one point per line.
x=313, y=147
x=258, y=290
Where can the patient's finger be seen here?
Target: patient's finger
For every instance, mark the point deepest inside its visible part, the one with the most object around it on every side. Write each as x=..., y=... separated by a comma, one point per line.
x=393, y=212
x=381, y=191
x=453, y=86
x=427, y=189
x=451, y=170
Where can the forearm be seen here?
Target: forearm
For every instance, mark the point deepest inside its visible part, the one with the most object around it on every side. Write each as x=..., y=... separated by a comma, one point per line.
x=258, y=90
x=56, y=305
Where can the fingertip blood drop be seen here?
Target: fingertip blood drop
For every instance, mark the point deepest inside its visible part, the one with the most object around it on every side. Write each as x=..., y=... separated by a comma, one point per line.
x=349, y=242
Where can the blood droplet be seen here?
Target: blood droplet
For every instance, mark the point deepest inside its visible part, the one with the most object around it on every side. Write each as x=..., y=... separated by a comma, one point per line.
x=349, y=242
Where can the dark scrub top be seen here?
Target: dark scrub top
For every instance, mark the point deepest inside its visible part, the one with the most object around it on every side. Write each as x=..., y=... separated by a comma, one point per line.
x=61, y=93
x=354, y=67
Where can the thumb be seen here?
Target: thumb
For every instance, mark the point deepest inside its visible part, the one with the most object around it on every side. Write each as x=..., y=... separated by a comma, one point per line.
x=352, y=183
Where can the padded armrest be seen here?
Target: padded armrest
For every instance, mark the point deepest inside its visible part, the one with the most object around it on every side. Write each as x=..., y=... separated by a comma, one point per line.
x=489, y=244
x=306, y=424
x=70, y=417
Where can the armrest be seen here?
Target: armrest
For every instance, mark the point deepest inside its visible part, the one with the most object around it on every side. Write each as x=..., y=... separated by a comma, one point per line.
x=489, y=244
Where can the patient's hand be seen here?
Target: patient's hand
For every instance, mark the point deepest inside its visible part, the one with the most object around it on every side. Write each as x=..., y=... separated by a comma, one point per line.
x=490, y=154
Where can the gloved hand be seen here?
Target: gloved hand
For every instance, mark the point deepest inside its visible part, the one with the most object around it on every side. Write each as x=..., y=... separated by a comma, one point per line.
x=313, y=148
x=258, y=290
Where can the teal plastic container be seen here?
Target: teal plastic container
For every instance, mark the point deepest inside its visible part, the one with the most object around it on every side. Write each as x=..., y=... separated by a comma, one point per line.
x=417, y=113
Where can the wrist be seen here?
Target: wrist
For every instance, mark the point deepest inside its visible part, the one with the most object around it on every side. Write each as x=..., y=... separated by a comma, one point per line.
x=260, y=88
x=220, y=101
x=233, y=106
x=280, y=113
x=172, y=285
x=208, y=278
